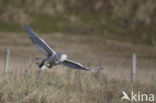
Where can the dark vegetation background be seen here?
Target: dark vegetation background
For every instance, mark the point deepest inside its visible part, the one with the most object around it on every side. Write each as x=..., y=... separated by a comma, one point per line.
x=125, y=20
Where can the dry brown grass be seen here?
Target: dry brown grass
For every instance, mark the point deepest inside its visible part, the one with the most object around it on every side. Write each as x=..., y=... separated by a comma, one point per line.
x=24, y=83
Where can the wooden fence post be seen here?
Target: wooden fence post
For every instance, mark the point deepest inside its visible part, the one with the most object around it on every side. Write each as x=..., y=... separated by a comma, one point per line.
x=133, y=68
x=6, y=62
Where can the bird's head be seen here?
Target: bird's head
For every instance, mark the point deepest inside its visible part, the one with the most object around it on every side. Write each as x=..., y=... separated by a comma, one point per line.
x=63, y=57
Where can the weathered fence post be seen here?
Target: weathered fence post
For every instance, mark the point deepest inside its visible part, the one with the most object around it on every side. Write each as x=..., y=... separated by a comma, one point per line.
x=6, y=62
x=133, y=68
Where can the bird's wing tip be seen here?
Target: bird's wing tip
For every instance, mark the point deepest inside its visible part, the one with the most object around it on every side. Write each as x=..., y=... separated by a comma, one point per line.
x=96, y=70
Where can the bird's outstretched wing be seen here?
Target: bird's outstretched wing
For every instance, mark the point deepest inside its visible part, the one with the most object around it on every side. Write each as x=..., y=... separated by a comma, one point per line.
x=75, y=65
x=40, y=44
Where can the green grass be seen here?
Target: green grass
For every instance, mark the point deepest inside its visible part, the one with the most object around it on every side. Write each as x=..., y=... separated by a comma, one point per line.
x=50, y=24
x=9, y=27
x=100, y=25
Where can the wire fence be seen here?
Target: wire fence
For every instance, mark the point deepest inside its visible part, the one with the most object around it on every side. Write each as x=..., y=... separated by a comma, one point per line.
x=28, y=63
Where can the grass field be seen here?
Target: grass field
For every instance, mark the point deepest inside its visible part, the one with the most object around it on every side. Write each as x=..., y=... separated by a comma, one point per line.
x=25, y=84
x=97, y=33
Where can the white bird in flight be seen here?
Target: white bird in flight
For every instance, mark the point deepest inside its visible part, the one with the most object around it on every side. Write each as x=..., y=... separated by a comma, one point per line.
x=52, y=57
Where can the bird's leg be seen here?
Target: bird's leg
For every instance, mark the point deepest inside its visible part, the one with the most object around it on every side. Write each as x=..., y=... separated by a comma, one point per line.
x=43, y=65
x=40, y=65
